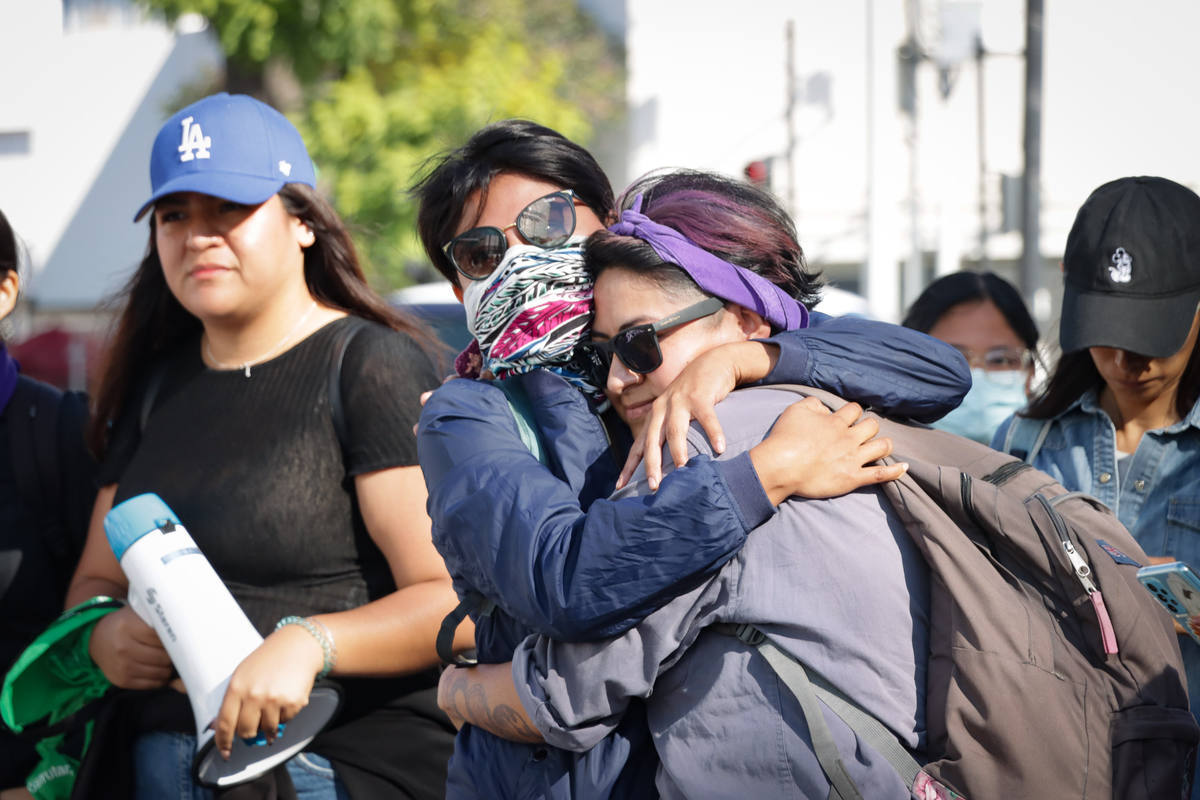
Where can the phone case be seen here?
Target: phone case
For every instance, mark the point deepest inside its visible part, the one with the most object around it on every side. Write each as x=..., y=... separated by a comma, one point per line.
x=1177, y=588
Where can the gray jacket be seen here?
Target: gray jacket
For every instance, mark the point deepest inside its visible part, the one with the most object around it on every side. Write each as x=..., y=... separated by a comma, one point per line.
x=836, y=583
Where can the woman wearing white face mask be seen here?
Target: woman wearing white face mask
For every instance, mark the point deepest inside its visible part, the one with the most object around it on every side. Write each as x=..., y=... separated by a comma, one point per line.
x=983, y=316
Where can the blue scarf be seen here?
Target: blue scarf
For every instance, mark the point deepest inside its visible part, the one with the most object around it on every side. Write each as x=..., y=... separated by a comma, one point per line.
x=8, y=377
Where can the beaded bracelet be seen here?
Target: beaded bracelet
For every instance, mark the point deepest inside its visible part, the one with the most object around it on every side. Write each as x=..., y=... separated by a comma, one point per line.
x=321, y=634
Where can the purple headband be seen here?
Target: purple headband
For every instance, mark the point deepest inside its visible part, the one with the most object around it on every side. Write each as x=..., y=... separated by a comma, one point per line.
x=714, y=275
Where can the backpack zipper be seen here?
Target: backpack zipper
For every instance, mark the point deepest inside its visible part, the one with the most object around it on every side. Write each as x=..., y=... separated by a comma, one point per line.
x=1083, y=573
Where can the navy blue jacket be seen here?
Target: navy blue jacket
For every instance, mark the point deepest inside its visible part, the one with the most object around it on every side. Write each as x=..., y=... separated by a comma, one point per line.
x=558, y=558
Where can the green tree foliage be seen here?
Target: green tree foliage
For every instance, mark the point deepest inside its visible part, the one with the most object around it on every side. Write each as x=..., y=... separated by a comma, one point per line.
x=386, y=84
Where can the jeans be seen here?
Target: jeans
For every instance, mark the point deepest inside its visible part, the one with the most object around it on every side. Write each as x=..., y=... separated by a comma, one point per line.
x=163, y=771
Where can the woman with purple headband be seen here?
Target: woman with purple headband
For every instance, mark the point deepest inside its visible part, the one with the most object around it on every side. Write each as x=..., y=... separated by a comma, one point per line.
x=537, y=537
x=836, y=583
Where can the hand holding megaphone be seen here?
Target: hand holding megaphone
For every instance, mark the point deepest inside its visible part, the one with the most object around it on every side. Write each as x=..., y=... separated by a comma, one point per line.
x=236, y=681
x=128, y=651
x=269, y=686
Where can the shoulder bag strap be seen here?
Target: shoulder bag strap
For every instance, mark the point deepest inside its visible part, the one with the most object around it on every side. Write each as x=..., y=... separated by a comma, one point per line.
x=808, y=686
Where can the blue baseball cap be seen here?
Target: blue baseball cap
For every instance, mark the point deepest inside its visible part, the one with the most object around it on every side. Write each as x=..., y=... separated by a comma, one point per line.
x=229, y=146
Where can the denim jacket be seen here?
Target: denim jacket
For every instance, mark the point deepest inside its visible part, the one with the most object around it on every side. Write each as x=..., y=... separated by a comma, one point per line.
x=1157, y=498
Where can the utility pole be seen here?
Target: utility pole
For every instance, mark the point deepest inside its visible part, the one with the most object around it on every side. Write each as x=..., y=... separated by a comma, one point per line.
x=982, y=136
x=910, y=56
x=1031, y=259
x=791, y=119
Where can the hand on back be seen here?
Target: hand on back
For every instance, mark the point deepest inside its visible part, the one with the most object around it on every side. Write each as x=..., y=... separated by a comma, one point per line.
x=813, y=452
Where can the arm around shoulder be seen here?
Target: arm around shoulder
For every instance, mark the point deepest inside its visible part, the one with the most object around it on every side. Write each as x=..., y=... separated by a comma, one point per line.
x=894, y=369
x=518, y=533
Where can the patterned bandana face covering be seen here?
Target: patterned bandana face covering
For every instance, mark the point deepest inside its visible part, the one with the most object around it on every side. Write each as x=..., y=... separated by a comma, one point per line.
x=532, y=311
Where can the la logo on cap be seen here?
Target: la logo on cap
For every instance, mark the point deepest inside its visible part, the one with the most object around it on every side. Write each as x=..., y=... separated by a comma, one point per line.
x=193, y=139
x=1122, y=269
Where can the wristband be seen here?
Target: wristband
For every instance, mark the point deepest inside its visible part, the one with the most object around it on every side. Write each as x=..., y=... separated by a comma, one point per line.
x=321, y=634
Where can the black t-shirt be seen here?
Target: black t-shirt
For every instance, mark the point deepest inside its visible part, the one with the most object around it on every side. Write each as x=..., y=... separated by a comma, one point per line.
x=254, y=470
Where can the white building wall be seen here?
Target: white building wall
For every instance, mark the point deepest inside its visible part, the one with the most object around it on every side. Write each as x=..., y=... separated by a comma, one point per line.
x=707, y=89
x=87, y=98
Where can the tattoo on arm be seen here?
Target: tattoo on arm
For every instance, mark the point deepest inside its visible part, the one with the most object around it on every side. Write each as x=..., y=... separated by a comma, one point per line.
x=467, y=699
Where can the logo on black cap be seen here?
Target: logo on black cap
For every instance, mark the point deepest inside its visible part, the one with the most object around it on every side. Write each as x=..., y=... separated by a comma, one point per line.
x=1122, y=269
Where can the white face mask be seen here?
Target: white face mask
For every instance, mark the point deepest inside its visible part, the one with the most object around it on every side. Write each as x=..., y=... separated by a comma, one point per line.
x=993, y=398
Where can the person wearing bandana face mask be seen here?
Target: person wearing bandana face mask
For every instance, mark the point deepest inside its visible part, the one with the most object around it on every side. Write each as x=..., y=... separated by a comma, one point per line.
x=984, y=317
x=537, y=536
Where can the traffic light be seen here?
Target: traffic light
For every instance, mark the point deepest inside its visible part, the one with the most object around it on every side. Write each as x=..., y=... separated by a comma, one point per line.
x=759, y=173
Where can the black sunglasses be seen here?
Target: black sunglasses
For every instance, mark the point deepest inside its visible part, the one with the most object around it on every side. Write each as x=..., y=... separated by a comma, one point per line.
x=546, y=222
x=637, y=347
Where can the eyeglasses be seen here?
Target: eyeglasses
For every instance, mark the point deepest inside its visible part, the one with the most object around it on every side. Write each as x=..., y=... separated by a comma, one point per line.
x=998, y=359
x=637, y=347
x=546, y=222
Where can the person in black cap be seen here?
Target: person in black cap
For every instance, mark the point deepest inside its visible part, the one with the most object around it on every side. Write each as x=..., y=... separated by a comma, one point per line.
x=1119, y=417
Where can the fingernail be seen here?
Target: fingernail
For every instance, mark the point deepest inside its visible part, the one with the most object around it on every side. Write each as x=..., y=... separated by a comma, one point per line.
x=653, y=484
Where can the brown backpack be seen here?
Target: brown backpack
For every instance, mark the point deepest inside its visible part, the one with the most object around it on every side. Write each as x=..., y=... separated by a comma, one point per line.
x=1053, y=673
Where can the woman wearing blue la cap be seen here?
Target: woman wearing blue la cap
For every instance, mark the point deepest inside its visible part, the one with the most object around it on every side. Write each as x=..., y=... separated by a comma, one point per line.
x=220, y=397
x=1120, y=415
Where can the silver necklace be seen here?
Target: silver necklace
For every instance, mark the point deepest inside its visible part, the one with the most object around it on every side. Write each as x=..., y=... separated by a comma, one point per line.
x=245, y=365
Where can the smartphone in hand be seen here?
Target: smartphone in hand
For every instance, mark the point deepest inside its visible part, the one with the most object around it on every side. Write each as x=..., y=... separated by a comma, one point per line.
x=1176, y=587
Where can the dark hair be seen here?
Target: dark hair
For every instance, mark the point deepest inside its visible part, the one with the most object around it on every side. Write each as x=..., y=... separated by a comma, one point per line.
x=152, y=322
x=951, y=290
x=729, y=218
x=605, y=250
x=514, y=145
x=1076, y=373
x=8, y=246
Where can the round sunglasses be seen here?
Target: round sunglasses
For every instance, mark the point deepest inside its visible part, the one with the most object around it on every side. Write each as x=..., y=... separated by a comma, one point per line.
x=546, y=222
x=637, y=346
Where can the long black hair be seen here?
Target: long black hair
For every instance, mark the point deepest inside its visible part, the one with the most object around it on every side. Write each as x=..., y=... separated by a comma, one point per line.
x=152, y=322
x=8, y=246
x=514, y=145
x=1076, y=373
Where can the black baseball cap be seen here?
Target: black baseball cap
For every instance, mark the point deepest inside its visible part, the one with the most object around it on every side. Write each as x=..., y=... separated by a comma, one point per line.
x=1132, y=268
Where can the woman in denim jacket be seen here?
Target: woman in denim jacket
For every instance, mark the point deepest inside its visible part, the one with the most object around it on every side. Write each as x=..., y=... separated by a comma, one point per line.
x=1120, y=415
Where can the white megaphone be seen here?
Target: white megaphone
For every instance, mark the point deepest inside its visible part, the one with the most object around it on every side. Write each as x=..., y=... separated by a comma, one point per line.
x=174, y=589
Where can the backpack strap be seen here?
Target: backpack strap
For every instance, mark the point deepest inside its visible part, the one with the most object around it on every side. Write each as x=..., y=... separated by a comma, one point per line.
x=150, y=397
x=1025, y=437
x=522, y=411
x=472, y=603
x=337, y=408
x=808, y=686
x=33, y=416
